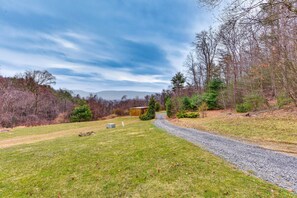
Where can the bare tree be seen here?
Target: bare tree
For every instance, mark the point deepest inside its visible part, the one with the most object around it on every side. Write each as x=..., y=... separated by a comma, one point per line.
x=206, y=48
x=260, y=38
x=193, y=71
x=34, y=80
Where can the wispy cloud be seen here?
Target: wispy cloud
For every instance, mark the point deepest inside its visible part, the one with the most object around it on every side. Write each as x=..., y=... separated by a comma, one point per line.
x=89, y=45
x=58, y=66
x=61, y=41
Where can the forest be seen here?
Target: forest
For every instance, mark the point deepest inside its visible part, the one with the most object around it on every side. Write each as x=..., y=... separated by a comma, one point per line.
x=248, y=62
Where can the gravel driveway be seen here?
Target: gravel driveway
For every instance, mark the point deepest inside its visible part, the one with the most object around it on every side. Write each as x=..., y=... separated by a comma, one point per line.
x=271, y=166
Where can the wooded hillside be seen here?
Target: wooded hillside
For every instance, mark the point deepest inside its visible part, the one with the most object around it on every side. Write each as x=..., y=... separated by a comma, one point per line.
x=253, y=51
x=28, y=99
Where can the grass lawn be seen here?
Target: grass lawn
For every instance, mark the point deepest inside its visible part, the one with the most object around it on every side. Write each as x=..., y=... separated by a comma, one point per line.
x=138, y=160
x=46, y=129
x=278, y=133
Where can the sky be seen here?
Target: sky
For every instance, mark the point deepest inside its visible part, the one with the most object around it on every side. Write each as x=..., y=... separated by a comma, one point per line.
x=96, y=45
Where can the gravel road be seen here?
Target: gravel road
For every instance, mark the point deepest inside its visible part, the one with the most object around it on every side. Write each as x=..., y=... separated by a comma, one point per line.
x=271, y=166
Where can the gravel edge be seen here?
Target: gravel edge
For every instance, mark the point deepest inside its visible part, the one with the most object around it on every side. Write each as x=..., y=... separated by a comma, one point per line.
x=271, y=166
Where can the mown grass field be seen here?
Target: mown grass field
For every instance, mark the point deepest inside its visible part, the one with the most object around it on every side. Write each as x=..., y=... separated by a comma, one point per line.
x=137, y=160
x=47, y=129
x=272, y=132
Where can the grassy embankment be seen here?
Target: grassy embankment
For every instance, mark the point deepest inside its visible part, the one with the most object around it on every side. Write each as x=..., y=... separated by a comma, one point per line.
x=134, y=161
x=270, y=131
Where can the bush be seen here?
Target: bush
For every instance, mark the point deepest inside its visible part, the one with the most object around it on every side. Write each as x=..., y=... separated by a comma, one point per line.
x=157, y=107
x=283, y=100
x=120, y=112
x=211, y=99
x=192, y=115
x=212, y=93
x=151, y=112
x=196, y=101
x=255, y=101
x=7, y=120
x=169, y=108
x=81, y=113
x=251, y=102
x=202, y=109
x=34, y=120
x=244, y=107
x=145, y=117
x=62, y=118
x=181, y=115
x=186, y=104
x=187, y=115
x=191, y=103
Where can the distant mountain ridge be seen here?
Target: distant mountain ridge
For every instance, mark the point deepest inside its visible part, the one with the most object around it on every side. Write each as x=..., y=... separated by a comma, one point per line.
x=114, y=95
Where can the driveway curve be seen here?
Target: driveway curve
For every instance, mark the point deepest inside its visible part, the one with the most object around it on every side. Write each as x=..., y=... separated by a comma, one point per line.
x=271, y=166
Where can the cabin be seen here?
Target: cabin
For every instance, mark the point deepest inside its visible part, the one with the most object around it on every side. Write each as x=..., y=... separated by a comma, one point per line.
x=137, y=111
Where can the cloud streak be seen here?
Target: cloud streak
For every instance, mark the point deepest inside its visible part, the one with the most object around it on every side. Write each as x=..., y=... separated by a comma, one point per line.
x=98, y=45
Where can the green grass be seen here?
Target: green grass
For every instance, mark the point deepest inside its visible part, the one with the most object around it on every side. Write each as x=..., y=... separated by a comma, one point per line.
x=21, y=132
x=136, y=161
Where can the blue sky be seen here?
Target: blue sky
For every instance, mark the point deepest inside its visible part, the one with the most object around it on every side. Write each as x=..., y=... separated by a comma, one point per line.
x=95, y=45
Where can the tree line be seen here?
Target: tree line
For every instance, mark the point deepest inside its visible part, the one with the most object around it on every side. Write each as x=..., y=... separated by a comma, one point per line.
x=248, y=62
x=29, y=99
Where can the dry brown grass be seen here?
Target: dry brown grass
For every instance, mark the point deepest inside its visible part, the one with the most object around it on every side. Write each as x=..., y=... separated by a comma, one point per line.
x=276, y=130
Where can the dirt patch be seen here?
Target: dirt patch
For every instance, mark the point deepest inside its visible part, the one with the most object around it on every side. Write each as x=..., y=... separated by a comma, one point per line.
x=4, y=130
x=6, y=143
x=37, y=138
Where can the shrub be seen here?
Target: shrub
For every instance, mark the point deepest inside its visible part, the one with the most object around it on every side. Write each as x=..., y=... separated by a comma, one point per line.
x=211, y=99
x=62, y=118
x=202, y=109
x=187, y=115
x=283, y=100
x=151, y=113
x=169, y=108
x=81, y=113
x=157, y=107
x=181, y=114
x=33, y=120
x=255, y=101
x=192, y=115
x=196, y=101
x=211, y=95
x=120, y=112
x=191, y=103
x=244, y=107
x=145, y=117
x=186, y=103
x=7, y=120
